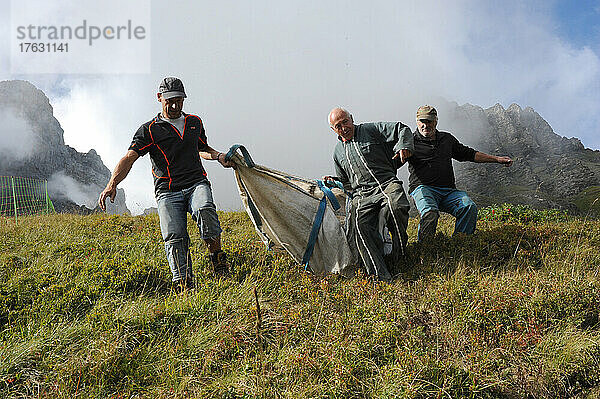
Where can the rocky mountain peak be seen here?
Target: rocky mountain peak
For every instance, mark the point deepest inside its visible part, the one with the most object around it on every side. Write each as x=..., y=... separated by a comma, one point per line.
x=32, y=145
x=495, y=108
x=549, y=170
x=514, y=108
x=23, y=100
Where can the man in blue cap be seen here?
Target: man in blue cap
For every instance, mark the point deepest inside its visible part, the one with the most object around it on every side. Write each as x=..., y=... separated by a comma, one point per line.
x=176, y=141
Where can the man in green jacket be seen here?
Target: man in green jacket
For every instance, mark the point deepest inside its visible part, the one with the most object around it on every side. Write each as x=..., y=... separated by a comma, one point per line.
x=366, y=159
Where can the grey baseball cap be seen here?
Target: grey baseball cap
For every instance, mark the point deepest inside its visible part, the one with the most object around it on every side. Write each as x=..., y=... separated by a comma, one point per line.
x=171, y=87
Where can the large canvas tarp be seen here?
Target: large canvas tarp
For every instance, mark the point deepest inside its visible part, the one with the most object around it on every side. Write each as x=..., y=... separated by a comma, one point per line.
x=283, y=209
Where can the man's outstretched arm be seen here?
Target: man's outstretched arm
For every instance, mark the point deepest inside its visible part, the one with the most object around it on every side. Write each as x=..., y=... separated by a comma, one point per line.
x=121, y=171
x=210, y=154
x=401, y=136
x=482, y=157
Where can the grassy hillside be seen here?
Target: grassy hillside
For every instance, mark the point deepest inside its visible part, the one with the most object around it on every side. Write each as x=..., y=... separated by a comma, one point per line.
x=86, y=310
x=587, y=200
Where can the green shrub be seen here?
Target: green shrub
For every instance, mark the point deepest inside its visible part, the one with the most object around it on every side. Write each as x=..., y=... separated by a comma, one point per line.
x=521, y=214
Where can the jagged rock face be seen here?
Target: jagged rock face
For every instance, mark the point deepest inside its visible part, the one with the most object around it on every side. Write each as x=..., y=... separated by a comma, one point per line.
x=549, y=170
x=32, y=145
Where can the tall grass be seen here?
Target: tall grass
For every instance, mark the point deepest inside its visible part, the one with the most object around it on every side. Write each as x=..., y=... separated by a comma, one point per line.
x=87, y=311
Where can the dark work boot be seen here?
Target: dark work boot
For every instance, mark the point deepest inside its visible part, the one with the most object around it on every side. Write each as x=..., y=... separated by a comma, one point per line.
x=219, y=263
x=183, y=285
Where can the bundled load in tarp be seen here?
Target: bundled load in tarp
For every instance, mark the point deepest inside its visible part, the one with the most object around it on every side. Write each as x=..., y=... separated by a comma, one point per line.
x=295, y=214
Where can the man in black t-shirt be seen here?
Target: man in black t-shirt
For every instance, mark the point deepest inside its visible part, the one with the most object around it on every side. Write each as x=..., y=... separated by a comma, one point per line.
x=176, y=141
x=431, y=180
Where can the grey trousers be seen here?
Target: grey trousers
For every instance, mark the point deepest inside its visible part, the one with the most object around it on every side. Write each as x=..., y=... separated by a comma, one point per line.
x=366, y=211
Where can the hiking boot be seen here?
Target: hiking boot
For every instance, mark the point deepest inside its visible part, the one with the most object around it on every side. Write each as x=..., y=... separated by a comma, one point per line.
x=183, y=285
x=219, y=263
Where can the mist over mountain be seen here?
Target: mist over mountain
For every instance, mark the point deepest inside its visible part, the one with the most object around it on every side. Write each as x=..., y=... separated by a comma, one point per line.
x=549, y=171
x=32, y=145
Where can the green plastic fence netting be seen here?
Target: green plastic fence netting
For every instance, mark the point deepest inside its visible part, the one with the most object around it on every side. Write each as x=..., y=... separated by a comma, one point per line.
x=24, y=196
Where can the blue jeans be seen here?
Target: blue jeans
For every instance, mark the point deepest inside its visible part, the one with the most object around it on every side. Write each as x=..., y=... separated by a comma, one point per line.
x=431, y=200
x=173, y=207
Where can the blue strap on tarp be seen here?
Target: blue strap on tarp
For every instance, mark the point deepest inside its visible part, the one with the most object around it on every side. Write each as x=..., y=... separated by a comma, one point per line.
x=338, y=184
x=247, y=158
x=312, y=238
x=250, y=163
x=329, y=194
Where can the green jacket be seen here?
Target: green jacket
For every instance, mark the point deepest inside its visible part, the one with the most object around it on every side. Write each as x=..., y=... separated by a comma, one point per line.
x=365, y=161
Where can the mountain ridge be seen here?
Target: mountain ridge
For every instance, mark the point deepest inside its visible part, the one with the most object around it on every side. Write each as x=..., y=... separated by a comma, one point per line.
x=32, y=145
x=550, y=171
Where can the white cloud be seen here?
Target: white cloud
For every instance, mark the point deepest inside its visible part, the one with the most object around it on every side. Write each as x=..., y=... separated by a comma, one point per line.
x=102, y=114
x=17, y=140
x=65, y=187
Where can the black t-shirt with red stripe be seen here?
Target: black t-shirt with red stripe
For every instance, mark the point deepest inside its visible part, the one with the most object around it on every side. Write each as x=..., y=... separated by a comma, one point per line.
x=174, y=155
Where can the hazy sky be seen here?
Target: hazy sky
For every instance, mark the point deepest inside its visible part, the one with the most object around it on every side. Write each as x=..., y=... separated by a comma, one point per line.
x=265, y=74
